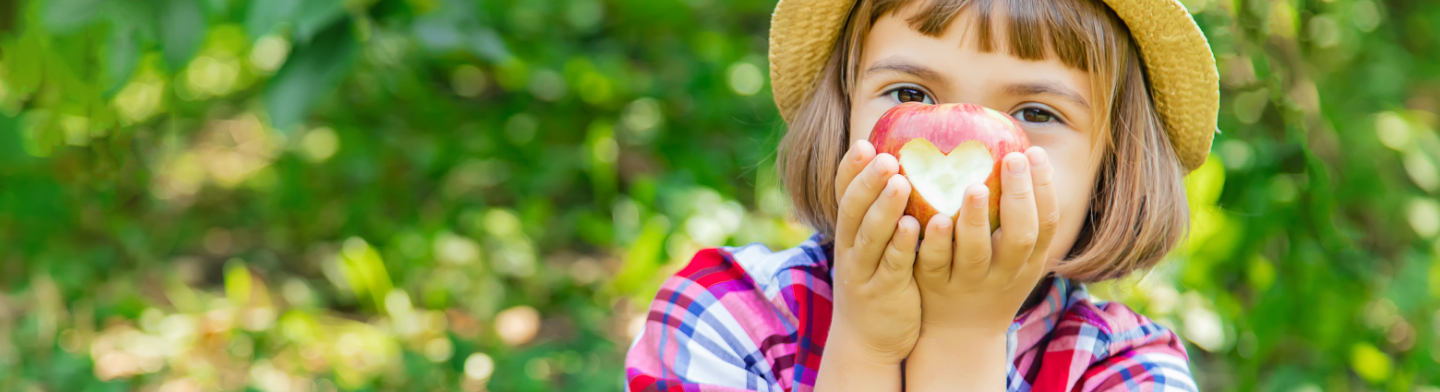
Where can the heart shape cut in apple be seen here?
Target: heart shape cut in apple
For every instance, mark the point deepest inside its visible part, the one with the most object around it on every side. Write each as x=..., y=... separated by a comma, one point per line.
x=943, y=149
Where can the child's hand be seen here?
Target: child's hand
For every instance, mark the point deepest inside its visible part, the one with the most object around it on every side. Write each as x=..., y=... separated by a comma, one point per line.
x=982, y=284
x=970, y=297
x=877, y=304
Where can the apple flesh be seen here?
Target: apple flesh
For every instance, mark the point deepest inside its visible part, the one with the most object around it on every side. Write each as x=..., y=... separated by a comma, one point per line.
x=943, y=149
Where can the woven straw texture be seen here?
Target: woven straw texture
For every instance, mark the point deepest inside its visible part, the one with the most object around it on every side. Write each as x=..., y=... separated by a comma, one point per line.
x=1181, y=67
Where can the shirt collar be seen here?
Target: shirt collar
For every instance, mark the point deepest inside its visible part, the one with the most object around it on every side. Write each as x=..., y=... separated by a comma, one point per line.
x=827, y=249
x=1032, y=325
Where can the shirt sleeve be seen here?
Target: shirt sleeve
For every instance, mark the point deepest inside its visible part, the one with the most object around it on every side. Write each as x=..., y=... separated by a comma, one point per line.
x=1148, y=358
x=704, y=332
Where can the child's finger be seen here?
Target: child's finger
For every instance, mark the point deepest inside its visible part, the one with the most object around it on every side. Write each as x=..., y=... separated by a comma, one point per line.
x=972, y=236
x=879, y=225
x=859, y=195
x=898, y=262
x=855, y=160
x=935, y=253
x=1018, y=227
x=1047, y=207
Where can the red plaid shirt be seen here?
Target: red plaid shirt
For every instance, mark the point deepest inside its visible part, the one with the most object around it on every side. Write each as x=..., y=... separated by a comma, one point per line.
x=749, y=319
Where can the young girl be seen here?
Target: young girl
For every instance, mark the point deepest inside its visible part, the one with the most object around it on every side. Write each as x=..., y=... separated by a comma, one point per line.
x=1119, y=99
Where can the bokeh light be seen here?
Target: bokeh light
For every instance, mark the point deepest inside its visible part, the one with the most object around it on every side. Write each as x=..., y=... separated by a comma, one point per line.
x=269, y=53
x=467, y=81
x=745, y=78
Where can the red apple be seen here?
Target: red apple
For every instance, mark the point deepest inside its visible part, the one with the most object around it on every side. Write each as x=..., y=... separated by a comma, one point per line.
x=943, y=149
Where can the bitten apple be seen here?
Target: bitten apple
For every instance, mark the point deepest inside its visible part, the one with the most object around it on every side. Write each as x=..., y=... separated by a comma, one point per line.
x=943, y=149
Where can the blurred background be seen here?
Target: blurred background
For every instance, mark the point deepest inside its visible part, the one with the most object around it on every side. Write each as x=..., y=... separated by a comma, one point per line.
x=427, y=195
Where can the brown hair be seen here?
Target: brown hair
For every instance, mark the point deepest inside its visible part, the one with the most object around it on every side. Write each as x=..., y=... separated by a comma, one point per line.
x=1138, y=211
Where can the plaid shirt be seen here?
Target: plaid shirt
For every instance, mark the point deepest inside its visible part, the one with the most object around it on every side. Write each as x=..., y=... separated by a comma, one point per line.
x=749, y=319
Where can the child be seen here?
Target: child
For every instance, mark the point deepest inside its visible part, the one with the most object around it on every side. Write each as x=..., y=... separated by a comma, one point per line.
x=1119, y=99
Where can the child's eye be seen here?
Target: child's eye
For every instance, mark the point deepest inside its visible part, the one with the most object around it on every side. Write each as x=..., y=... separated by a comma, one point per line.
x=905, y=94
x=1034, y=115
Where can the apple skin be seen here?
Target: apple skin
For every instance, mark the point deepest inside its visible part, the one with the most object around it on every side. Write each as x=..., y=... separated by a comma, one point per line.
x=946, y=126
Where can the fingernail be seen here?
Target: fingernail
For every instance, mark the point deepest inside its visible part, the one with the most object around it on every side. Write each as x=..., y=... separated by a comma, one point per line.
x=944, y=224
x=1038, y=159
x=1017, y=166
x=978, y=201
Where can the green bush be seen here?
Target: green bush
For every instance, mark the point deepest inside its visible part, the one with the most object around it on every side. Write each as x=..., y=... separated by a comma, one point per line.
x=425, y=195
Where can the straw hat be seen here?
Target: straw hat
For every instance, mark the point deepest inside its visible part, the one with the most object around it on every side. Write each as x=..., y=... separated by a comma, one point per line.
x=1183, y=79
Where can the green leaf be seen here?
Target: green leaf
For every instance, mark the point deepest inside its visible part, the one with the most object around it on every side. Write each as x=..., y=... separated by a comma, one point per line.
x=264, y=16
x=136, y=16
x=65, y=16
x=24, y=64
x=488, y=45
x=122, y=55
x=436, y=34
x=453, y=28
x=643, y=257
x=1370, y=363
x=182, y=28
x=1409, y=288
x=11, y=142
x=314, y=16
x=216, y=7
x=309, y=74
x=237, y=283
x=365, y=272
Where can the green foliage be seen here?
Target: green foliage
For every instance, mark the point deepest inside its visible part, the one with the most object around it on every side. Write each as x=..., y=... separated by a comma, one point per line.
x=462, y=195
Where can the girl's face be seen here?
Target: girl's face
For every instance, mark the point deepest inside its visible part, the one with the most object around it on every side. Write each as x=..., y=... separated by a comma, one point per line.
x=1052, y=101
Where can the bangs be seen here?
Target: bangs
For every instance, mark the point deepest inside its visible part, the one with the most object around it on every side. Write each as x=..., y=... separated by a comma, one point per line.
x=1077, y=31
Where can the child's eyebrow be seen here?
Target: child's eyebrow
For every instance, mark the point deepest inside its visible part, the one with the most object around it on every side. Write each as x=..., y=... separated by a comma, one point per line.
x=902, y=66
x=1047, y=88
